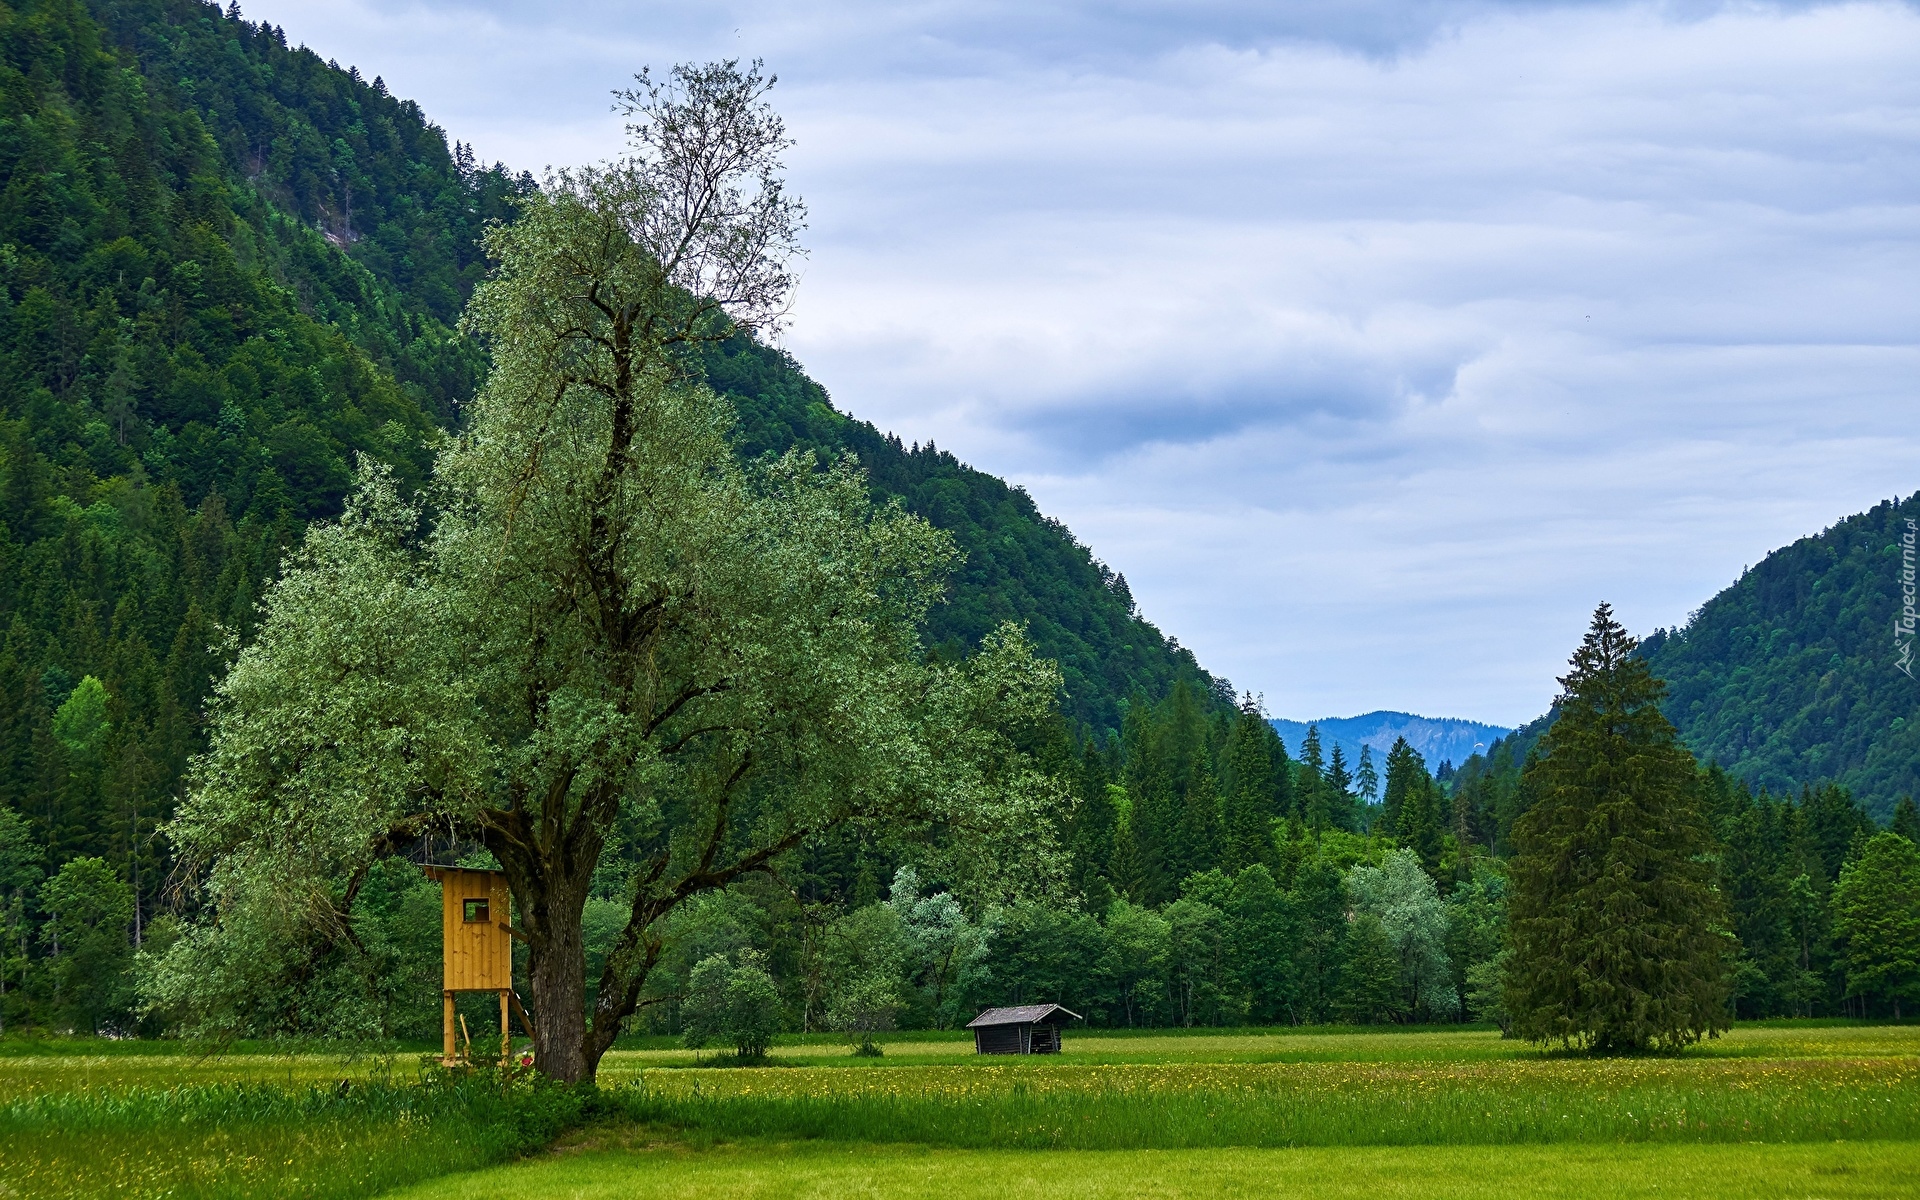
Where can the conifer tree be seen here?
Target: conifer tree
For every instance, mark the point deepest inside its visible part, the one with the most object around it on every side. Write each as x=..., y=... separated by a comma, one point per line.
x=1092, y=835
x=1198, y=842
x=1617, y=926
x=1419, y=825
x=1366, y=780
x=1906, y=820
x=1155, y=818
x=1123, y=869
x=1248, y=810
x=1340, y=812
x=1313, y=785
x=1404, y=766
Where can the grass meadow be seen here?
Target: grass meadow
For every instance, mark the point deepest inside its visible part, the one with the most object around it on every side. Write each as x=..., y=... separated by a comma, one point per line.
x=673, y=1170
x=1781, y=1109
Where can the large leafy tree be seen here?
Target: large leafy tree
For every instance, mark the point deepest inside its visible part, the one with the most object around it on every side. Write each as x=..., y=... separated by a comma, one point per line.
x=602, y=624
x=1618, y=929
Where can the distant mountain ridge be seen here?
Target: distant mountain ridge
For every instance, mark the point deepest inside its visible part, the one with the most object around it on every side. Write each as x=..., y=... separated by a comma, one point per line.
x=1438, y=739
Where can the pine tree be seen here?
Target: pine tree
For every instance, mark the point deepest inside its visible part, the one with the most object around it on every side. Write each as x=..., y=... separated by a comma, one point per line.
x=1313, y=785
x=1197, y=844
x=1404, y=766
x=1154, y=824
x=1248, y=809
x=1906, y=820
x=1124, y=869
x=1419, y=824
x=1366, y=779
x=1369, y=981
x=1340, y=812
x=1616, y=921
x=1092, y=840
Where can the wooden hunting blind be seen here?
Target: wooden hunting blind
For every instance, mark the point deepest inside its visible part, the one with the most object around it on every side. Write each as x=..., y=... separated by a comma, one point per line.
x=1024, y=1029
x=476, y=951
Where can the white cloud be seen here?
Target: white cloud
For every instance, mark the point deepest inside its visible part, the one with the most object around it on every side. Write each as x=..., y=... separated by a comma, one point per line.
x=1374, y=343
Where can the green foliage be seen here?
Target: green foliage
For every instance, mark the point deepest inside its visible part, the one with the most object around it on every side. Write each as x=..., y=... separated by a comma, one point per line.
x=1476, y=941
x=187, y=366
x=1876, y=913
x=610, y=626
x=945, y=950
x=88, y=911
x=733, y=1001
x=1617, y=925
x=866, y=953
x=81, y=720
x=1788, y=677
x=1018, y=564
x=330, y=1142
x=1401, y=895
x=1368, y=987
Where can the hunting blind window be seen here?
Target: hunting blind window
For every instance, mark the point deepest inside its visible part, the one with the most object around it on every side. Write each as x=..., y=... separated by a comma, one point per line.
x=475, y=912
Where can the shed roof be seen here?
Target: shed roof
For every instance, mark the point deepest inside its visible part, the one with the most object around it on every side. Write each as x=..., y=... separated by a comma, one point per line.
x=437, y=871
x=1023, y=1014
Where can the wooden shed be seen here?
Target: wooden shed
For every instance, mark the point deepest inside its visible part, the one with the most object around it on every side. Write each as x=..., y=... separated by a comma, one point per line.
x=1024, y=1029
x=476, y=948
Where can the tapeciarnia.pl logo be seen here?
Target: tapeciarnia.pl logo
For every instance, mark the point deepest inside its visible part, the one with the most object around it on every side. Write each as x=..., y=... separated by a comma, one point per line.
x=1904, y=623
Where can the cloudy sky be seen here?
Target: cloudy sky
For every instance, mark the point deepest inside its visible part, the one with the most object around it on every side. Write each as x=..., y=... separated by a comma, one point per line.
x=1374, y=342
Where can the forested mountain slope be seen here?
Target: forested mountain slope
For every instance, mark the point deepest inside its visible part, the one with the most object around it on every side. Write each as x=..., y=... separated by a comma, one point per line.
x=226, y=268
x=1788, y=677
x=342, y=154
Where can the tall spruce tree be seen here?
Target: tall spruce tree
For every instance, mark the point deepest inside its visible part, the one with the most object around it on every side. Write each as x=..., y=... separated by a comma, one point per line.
x=1197, y=843
x=1248, y=808
x=1404, y=766
x=1312, y=789
x=1419, y=824
x=1617, y=926
x=1366, y=780
x=1091, y=840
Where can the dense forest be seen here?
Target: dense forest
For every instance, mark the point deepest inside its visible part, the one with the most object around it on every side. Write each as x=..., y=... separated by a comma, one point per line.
x=1788, y=678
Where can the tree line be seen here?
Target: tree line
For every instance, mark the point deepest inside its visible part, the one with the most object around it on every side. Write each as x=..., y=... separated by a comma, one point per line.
x=1810, y=908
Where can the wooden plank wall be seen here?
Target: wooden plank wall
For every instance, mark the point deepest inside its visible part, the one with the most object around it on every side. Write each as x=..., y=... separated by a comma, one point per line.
x=478, y=956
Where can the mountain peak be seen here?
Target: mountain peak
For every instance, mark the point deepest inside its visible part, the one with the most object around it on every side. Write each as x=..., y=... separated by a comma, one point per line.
x=1437, y=739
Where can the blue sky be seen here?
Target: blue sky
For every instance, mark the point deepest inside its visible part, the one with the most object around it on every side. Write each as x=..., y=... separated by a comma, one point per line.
x=1374, y=342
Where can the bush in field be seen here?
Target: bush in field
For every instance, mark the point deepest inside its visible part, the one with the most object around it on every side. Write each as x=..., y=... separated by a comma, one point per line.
x=733, y=1002
x=865, y=1006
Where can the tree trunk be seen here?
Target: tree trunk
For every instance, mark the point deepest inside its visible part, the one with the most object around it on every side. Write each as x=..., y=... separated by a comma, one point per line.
x=556, y=973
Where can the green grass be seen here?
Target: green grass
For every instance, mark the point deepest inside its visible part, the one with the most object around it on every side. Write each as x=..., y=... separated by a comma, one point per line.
x=1195, y=1112
x=665, y=1168
x=1303, y=1104
x=349, y=1139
